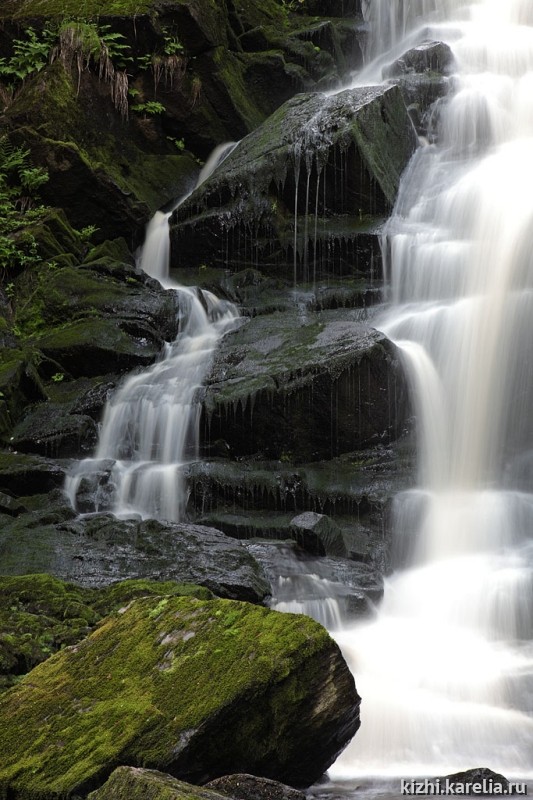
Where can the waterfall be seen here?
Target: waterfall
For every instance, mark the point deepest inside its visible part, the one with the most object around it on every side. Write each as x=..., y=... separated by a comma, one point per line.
x=446, y=669
x=150, y=427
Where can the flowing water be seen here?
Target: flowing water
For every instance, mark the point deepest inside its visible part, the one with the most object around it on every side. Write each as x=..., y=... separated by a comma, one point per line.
x=446, y=669
x=150, y=426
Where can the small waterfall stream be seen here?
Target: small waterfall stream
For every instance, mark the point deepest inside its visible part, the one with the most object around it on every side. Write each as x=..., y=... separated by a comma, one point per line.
x=150, y=425
x=446, y=668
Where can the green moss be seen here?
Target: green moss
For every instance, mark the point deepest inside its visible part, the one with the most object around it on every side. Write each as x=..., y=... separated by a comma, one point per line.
x=127, y=783
x=20, y=9
x=40, y=614
x=230, y=71
x=115, y=697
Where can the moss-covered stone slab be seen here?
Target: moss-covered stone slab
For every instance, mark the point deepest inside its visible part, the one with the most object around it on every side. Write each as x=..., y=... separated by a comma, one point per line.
x=315, y=157
x=136, y=783
x=194, y=688
x=40, y=615
x=300, y=386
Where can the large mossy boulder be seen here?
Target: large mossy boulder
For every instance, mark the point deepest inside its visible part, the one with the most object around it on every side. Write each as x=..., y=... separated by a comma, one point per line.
x=316, y=157
x=40, y=615
x=194, y=688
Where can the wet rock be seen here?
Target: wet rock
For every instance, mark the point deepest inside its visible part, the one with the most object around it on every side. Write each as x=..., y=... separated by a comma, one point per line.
x=250, y=787
x=266, y=693
x=289, y=172
x=9, y=505
x=136, y=783
x=302, y=387
x=487, y=780
x=314, y=585
x=425, y=57
x=22, y=475
x=318, y=534
x=19, y=385
x=97, y=550
x=250, y=499
x=50, y=431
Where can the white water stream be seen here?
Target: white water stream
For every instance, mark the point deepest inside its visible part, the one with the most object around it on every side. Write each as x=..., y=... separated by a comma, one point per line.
x=150, y=426
x=446, y=669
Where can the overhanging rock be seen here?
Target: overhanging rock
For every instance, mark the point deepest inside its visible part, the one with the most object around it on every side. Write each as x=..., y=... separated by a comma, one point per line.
x=316, y=159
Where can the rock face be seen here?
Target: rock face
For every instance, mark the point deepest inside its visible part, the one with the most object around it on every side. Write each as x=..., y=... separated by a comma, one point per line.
x=304, y=386
x=198, y=688
x=422, y=73
x=184, y=77
x=96, y=551
x=271, y=201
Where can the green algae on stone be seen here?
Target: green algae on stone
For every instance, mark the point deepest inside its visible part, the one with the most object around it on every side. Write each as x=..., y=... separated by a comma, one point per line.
x=134, y=783
x=24, y=9
x=195, y=688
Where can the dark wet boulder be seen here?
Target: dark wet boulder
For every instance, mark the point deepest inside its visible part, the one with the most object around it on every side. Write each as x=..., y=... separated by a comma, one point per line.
x=318, y=534
x=422, y=73
x=22, y=475
x=302, y=387
x=20, y=384
x=98, y=550
x=137, y=783
x=51, y=431
x=197, y=688
x=250, y=787
x=485, y=780
x=434, y=57
x=315, y=157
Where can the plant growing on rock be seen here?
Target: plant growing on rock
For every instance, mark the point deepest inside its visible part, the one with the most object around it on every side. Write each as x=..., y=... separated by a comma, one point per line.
x=19, y=183
x=82, y=44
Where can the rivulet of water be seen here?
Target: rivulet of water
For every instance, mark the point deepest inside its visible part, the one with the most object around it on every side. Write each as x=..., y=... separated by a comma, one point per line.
x=150, y=425
x=446, y=669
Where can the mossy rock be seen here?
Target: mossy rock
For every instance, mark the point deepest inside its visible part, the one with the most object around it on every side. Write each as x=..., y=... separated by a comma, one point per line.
x=40, y=614
x=24, y=9
x=96, y=346
x=25, y=475
x=19, y=385
x=135, y=783
x=195, y=688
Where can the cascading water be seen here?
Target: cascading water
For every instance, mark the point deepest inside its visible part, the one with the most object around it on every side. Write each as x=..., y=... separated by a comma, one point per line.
x=150, y=425
x=446, y=669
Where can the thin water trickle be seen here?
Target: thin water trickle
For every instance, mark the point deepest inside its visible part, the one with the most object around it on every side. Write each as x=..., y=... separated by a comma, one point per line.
x=150, y=426
x=446, y=668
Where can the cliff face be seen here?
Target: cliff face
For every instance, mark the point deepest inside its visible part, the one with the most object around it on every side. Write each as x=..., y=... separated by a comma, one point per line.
x=137, y=92
x=109, y=111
